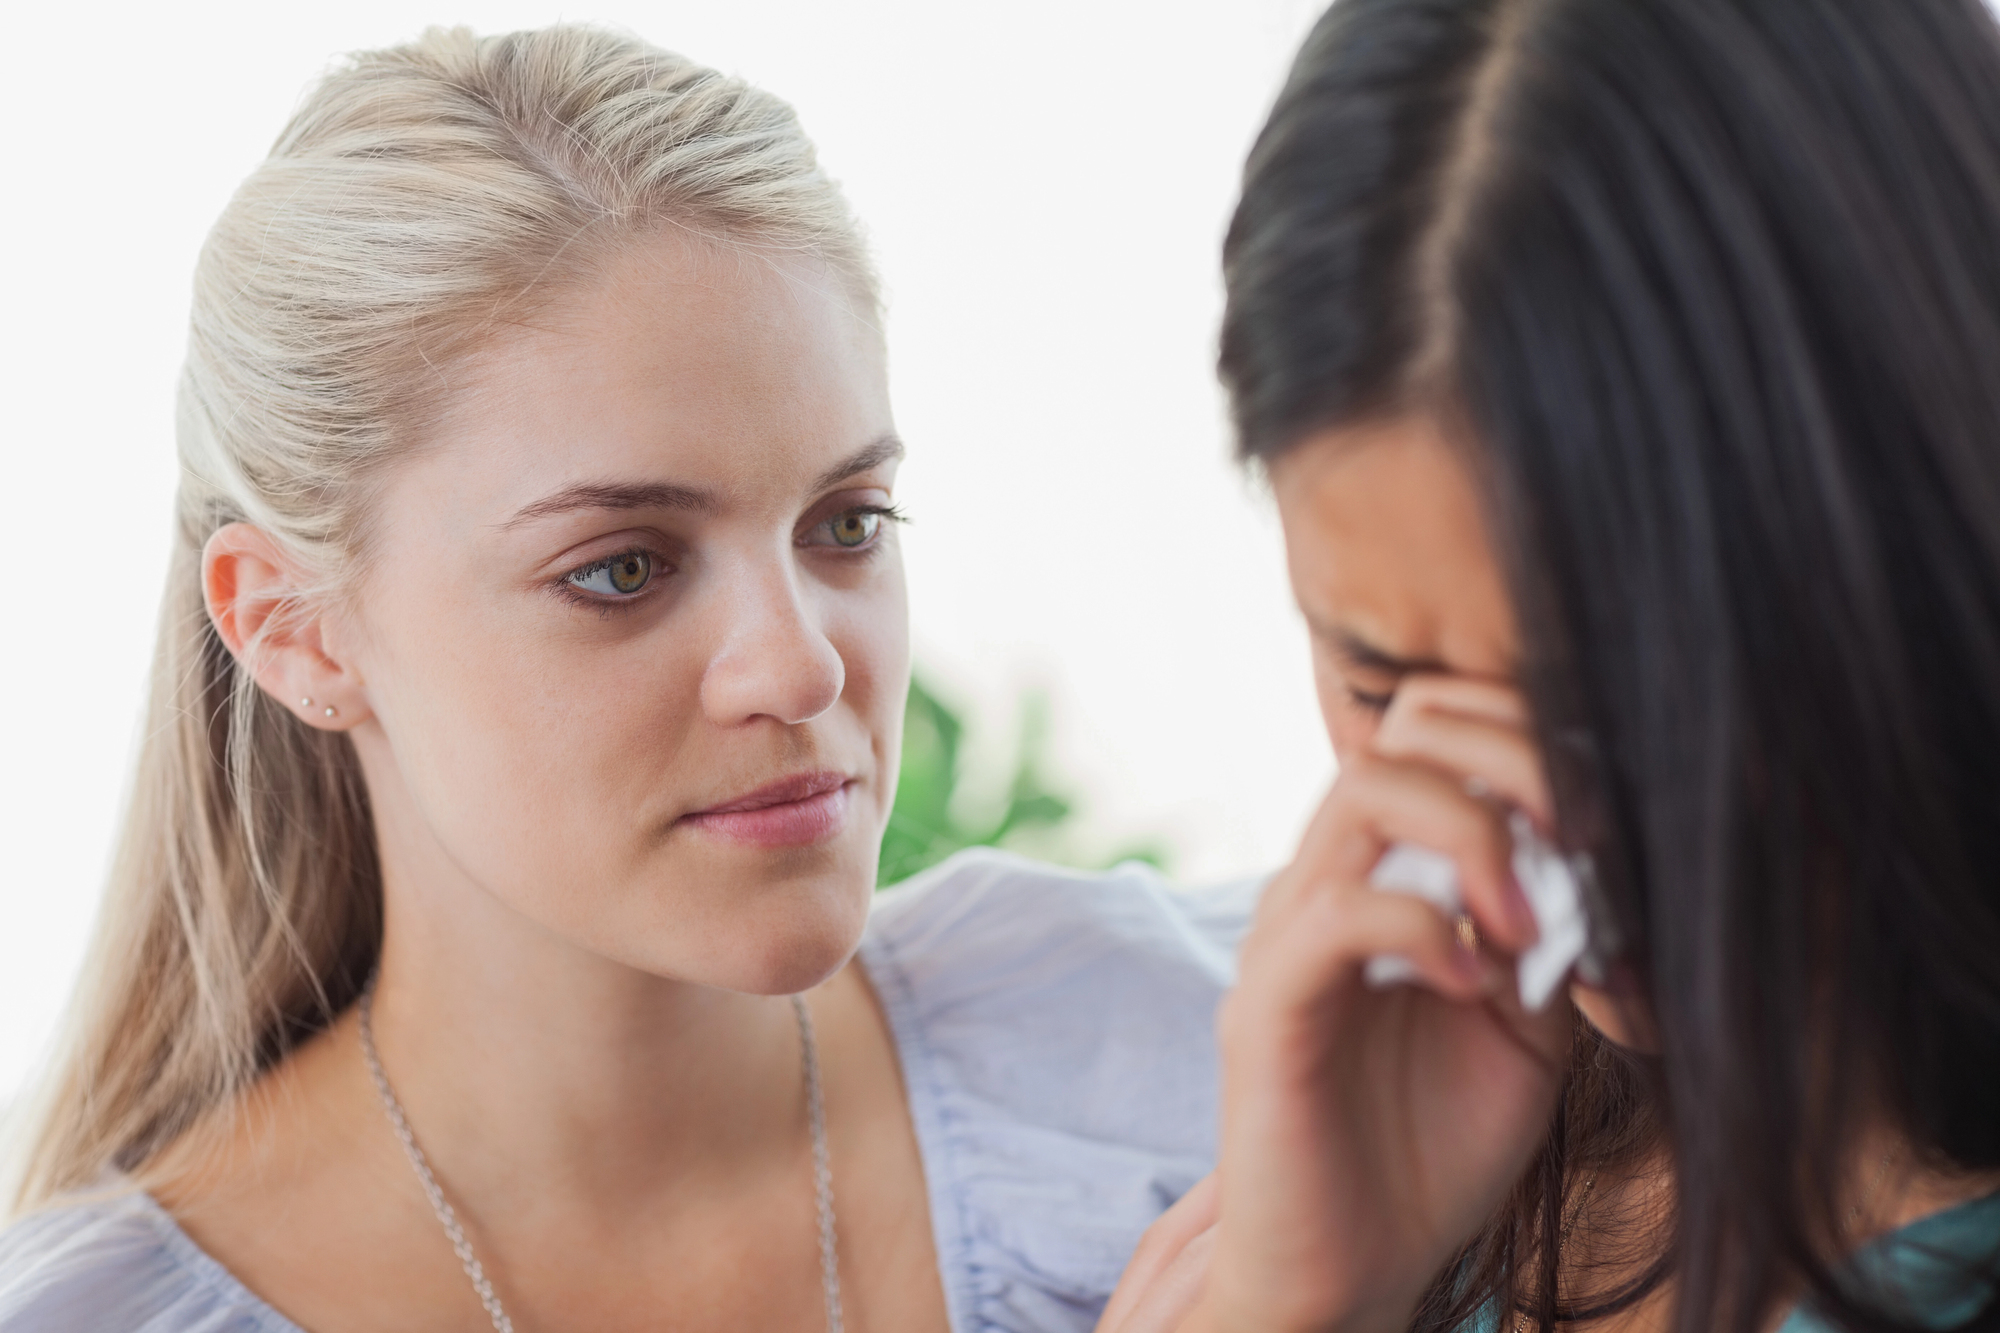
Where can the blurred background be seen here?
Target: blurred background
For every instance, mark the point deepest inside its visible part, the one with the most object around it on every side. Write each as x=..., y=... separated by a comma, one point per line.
x=1108, y=658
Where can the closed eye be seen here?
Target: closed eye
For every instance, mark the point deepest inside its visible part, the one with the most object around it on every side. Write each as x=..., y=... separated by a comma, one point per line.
x=1369, y=700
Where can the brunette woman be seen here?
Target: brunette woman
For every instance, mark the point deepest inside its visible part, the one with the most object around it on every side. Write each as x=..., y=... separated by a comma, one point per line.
x=1628, y=376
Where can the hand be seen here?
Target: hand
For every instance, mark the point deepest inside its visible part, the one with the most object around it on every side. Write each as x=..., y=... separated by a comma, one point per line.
x=1367, y=1134
x=1162, y=1284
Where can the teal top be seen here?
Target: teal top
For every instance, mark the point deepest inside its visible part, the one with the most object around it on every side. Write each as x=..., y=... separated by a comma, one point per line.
x=1938, y=1271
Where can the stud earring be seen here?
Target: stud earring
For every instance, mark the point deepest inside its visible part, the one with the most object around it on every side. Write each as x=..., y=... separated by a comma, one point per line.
x=305, y=703
x=331, y=711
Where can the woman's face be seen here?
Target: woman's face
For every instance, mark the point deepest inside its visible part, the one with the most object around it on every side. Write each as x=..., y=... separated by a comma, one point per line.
x=631, y=645
x=1391, y=566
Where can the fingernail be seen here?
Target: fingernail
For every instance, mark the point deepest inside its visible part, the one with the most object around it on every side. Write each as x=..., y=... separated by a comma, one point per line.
x=1526, y=928
x=1481, y=970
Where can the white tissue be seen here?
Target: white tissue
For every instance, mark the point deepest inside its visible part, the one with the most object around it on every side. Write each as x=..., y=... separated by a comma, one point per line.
x=1547, y=879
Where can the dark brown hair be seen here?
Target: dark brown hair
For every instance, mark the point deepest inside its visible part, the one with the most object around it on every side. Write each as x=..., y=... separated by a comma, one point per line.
x=1713, y=289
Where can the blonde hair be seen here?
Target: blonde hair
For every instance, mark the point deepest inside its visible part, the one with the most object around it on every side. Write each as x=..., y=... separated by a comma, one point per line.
x=420, y=199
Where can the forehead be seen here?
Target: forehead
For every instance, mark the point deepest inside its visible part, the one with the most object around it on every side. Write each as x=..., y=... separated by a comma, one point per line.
x=1386, y=541
x=733, y=369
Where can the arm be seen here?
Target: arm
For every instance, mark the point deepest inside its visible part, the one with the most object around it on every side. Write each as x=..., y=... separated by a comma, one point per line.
x=1368, y=1133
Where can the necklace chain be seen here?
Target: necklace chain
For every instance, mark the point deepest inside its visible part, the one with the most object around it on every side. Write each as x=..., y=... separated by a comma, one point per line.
x=829, y=1261
x=1521, y=1324
x=482, y=1286
x=1874, y=1187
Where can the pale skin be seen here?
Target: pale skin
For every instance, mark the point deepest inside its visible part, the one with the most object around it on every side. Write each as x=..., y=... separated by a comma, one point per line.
x=1368, y=1133
x=639, y=570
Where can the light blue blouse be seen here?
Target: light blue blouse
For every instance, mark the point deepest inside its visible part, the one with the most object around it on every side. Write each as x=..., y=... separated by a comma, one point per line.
x=1056, y=1034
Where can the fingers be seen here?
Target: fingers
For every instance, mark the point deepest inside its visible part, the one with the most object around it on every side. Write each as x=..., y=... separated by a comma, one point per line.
x=1167, y=1301
x=1473, y=729
x=1316, y=857
x=1489, y=755
x=1380, y=802
x=1197, y=1210
x=1411, y=787
x=1467, y=696
x=1160, y=1249
x=1334, y=936
x=1391, y=802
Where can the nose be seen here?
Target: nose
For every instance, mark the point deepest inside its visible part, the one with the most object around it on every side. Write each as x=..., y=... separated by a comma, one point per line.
x=774, y=660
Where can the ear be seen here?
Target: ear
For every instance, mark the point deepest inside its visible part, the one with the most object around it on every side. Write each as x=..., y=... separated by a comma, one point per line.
x=1618, y=1013
x=253, y=594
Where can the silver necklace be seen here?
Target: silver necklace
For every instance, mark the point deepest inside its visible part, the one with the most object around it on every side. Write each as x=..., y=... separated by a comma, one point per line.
x=829, y=1263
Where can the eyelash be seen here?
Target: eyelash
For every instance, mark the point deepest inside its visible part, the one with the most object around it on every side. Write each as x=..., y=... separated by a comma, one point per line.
x=565, y=587
x=887, y=513
x=1369, y=702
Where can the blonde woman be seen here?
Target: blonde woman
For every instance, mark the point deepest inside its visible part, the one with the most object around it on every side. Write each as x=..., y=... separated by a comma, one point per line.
x=524, y=725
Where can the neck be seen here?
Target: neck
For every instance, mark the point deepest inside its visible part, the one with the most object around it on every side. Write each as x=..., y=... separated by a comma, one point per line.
x=1891, y=1186
x=521, y=1055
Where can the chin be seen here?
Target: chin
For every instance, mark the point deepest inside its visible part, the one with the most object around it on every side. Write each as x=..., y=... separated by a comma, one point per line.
x=793, y=942
x=797, y=963
x=754, y=924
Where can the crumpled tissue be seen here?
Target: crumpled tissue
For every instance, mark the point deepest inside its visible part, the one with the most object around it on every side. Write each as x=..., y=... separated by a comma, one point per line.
x=1547, y=878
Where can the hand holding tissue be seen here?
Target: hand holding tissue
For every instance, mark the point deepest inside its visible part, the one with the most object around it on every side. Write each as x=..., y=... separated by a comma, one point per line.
x=1553, y=885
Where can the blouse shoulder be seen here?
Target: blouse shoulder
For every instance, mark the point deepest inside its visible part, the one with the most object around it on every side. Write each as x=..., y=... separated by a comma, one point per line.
x=115, y=1260
x=1056, y=1030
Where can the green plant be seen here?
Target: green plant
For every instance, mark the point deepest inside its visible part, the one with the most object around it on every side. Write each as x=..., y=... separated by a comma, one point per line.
x=930, y=821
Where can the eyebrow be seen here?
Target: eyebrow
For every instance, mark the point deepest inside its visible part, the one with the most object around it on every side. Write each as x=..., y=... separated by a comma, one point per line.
x=1366, y=656
x=883, y=450
x=616, y=495
x=688, y=499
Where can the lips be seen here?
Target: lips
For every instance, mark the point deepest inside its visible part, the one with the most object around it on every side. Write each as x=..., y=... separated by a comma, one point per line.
x=794, y=811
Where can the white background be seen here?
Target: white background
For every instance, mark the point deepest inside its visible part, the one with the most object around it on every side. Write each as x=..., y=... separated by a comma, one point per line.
x=1046, y=183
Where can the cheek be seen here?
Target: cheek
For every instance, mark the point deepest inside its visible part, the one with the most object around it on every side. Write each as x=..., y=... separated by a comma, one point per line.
x=870, y=628
x=1347, y=727
x=537, y=745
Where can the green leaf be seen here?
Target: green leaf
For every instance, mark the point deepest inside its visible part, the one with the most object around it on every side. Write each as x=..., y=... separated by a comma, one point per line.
x=927, y=825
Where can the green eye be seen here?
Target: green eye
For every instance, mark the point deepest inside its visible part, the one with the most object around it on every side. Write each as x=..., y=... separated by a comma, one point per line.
x=620, y=576
x=855, y=527
x=630, y=572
